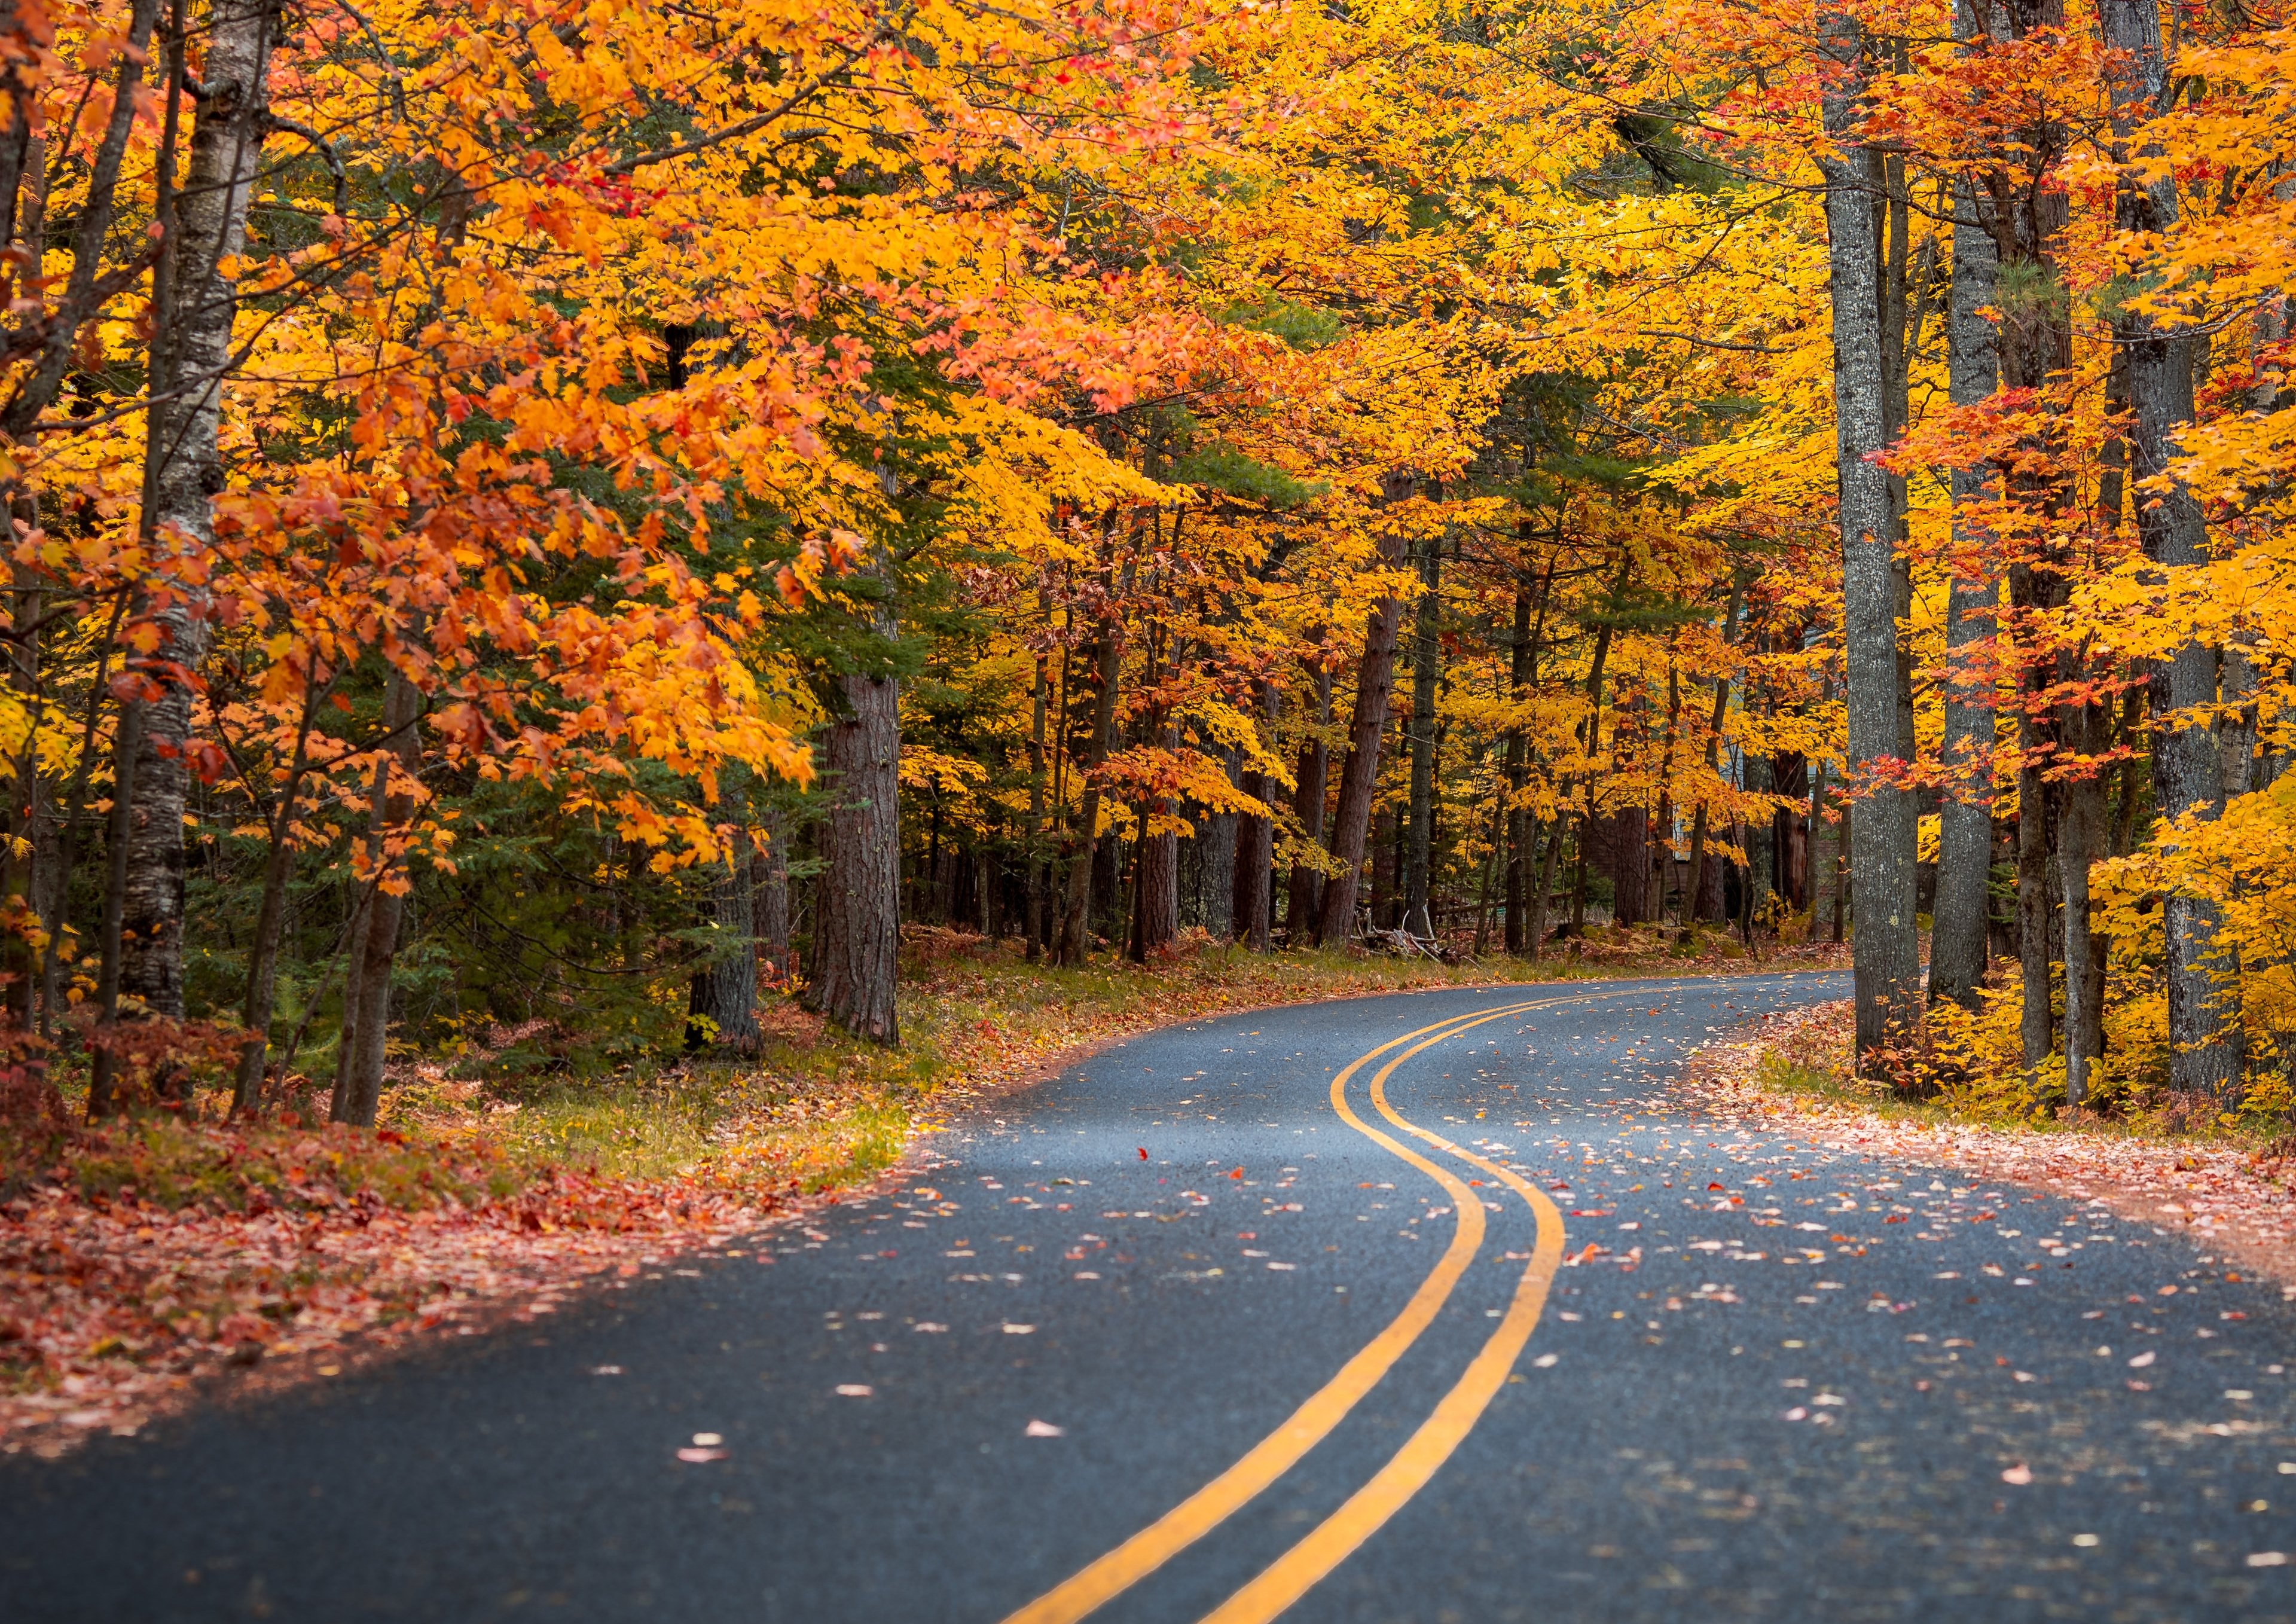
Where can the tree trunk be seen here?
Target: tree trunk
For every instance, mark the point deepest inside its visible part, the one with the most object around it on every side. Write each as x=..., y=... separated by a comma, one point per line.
x=1359, y=776
x=2205, y=1039
x=2036, y=1026
x=1957, y=936
x=1543, y=891
x=1255, y=842
x=858, y=936
x=1630, y=866
x=2083, y=832
x=1029, y=854
x=263, y=953
x=1705, y=899
x=1076, y=922
x=1157, y=901
x=1219, y=843
x=1426, y=669
x=1307, y=889
x=1887, y=950
x=226, y=144
x=366, y=996
x=725, y=989
x=773, y=901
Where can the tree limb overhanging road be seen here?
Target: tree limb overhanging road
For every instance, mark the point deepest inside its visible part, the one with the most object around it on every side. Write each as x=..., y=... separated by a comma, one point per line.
x=1424, y=1308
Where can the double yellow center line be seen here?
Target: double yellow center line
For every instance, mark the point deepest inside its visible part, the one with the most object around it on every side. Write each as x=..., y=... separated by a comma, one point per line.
x=1292, y=1575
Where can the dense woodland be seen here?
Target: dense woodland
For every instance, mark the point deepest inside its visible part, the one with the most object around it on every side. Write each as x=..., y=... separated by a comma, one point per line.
x=541, y=525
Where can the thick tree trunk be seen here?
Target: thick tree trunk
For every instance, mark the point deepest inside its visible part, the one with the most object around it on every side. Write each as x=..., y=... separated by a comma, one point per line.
x=226, y=144
x=2205, y=1039
x=1359, y=776
x=366, y=998
x=858, y=936
x=724, y=990
x=1957, y=937
x=1221, y=841
x=1156, y=901
x=1630, y=866
x=1887, y=950
x=1426, y=670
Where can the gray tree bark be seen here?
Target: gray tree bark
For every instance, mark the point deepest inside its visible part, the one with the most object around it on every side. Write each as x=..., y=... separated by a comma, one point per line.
x=366, y=997
x=725, y=990
x=1306, y=887
x=1084, y=846
x=1426, y=671
x=1359, y=776
x=1957, y=936
x=2206, y=1042
x=1887, y=946
x=857, y=934
x=772, y=924
x=211, y=214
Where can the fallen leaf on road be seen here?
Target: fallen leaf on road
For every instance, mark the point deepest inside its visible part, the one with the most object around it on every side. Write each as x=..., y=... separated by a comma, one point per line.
x=1044, y=1429
x=2020, y=1474
x=2267, y=1559
x=1546, y=1361
x=931, y=1325
x=695, y=1457
x=1012, y=1330
x=2142, y=1359
x=854, y=1389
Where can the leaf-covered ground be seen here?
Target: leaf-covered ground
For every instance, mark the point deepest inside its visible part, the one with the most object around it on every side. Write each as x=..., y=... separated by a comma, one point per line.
x=140, y=1260
x=2236, y=1193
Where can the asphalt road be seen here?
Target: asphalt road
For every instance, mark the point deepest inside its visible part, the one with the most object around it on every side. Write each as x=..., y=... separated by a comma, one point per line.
x=1790, y=1383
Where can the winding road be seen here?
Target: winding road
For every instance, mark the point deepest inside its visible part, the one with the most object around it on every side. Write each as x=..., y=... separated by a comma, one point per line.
x=1424, y=1308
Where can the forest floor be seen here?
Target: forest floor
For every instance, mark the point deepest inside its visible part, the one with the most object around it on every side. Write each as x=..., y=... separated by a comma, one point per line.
x=2229, y=1187
x=144, y=1260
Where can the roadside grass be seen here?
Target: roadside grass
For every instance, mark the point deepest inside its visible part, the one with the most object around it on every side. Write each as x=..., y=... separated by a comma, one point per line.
x=1807, y=1054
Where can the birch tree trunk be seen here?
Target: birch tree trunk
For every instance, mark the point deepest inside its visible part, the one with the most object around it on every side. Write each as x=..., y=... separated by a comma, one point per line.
x=226, y=144
x=1887, y=946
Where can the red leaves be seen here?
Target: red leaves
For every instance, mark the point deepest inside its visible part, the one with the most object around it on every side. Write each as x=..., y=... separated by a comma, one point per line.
x=1235, y=1173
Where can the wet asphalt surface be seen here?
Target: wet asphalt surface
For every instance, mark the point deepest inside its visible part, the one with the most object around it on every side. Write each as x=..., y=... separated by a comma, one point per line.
x=1788, y=1384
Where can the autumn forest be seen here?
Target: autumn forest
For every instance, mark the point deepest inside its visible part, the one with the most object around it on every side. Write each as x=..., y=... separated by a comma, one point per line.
x=590, y=522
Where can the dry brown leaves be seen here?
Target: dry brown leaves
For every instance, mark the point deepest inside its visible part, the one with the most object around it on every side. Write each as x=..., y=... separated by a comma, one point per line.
x=2229, y=1198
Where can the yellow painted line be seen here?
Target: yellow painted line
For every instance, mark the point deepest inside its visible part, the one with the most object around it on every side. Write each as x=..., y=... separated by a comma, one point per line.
x=1300, y=1569
x=1119, y=1570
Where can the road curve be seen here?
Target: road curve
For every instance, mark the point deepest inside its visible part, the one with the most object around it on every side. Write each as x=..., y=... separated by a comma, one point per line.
x=1421, y=1309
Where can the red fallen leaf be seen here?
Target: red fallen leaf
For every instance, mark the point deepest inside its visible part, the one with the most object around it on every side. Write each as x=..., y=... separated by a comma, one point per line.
x=1236, y=1173
x=1713, y=1186
x=1144, y=1152
x=1899, y=1219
